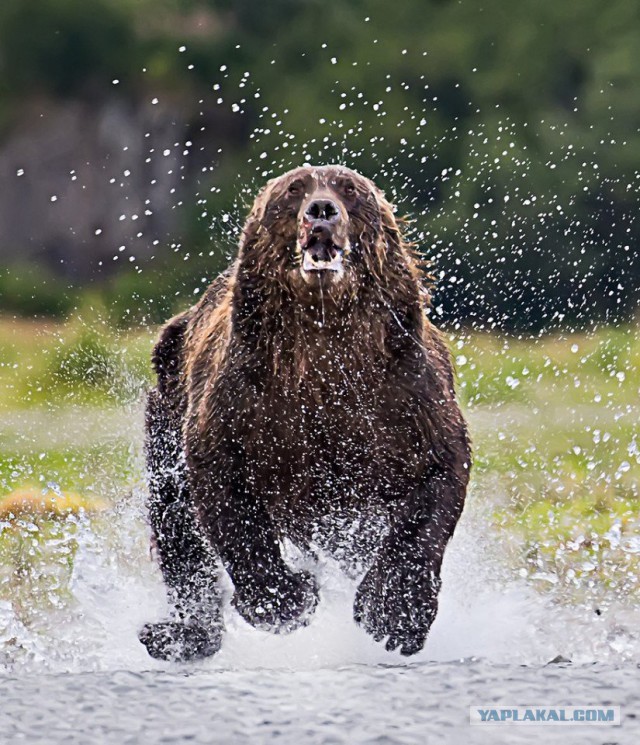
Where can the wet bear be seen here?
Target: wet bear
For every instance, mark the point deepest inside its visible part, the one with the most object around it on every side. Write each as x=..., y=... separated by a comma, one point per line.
x=306, y=397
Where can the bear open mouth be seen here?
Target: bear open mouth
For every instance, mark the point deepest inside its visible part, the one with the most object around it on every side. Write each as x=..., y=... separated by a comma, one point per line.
x=321, y=254
x=335, y=265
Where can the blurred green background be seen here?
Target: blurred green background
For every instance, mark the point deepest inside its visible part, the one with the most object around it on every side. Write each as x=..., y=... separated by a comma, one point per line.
x=134, y=133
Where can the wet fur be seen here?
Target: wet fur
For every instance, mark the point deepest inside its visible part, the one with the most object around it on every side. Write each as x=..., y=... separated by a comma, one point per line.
x=327, y=419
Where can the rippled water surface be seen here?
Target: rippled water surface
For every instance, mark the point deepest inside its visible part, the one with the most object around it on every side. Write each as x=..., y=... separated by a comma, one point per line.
x=418, y=703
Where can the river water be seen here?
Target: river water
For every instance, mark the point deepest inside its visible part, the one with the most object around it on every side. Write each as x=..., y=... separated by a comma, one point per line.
x=423, y=702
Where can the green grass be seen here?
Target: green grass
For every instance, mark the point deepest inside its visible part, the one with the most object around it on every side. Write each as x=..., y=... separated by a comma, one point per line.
x=92, y=469
x=79, y=362
x=553, y=421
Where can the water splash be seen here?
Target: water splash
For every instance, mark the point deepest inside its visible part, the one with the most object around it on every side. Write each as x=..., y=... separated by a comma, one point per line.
x=483, y=614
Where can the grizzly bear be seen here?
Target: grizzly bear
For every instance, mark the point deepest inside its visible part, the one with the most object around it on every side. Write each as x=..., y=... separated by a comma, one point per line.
x=306, y=397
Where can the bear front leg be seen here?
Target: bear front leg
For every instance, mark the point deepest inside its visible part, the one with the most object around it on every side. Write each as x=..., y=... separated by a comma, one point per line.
x=398, y=597
x=268, y=594
x=194, y=628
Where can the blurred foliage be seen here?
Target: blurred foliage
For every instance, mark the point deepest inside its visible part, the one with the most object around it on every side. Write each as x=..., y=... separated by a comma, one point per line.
x=511, y=137
x=62, y=46
x=153, y=295
x=85, y=361
x=31, y=291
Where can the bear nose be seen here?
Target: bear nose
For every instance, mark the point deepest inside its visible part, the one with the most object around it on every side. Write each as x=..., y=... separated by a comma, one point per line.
x=322, y=209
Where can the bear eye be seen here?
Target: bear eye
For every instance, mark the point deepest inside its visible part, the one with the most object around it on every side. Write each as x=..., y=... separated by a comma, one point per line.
x=295, y=188
x=349, y=188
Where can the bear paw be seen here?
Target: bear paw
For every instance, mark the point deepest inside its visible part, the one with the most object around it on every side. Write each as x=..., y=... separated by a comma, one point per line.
x=280, y=606
x=397, y=605
x=180, y=641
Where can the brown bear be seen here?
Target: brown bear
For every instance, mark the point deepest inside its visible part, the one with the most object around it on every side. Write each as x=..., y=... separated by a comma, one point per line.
x=306, y=397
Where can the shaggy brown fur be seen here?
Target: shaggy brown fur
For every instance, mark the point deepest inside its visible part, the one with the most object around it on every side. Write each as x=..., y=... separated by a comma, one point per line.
x=306, y=396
